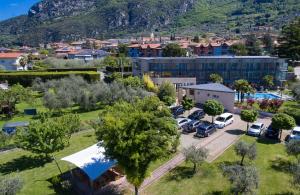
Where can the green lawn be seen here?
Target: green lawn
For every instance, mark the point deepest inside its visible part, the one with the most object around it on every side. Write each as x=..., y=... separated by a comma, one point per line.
x=34, y=173
x=271, y=163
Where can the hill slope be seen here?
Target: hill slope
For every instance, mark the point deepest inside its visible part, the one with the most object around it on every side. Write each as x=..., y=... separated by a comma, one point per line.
x=53, y=20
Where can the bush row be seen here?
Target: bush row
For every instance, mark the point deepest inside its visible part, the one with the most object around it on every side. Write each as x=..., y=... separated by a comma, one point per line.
x=26, y=78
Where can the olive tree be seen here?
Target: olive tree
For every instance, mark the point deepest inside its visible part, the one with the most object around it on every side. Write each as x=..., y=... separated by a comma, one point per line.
x=283, y=121
x=244, y=149
x=195, y=155
x=137, y=134
x=293, y=148
x=213, y=108
x=249, y=116
x=243, y=179
x=10, y=185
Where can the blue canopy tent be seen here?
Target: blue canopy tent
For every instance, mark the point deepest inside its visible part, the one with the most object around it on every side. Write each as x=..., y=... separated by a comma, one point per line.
x=92, y=161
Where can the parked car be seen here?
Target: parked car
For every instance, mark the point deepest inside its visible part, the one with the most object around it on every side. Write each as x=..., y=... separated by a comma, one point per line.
x=178, y=110
x=182, y=121
x=197, y=115
x=205, y=129
x=191, y=126
x=256, y=129
x=272, y=133
x=295, y=134
x=223, y=120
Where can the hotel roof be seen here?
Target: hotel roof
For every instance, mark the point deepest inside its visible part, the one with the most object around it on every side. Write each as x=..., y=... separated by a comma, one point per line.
x=10, y=55
x=211, y=57
x=210, y=87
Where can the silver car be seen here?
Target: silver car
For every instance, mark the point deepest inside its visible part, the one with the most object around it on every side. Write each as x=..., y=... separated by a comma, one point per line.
x=256, y=129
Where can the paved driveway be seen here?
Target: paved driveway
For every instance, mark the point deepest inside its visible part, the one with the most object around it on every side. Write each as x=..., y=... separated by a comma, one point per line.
x=218, y=142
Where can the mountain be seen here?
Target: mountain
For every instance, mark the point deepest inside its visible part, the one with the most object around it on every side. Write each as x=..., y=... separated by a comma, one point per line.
x=54, y=20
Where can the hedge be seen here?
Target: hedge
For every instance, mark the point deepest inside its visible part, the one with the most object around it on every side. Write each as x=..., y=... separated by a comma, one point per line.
x=27, y=77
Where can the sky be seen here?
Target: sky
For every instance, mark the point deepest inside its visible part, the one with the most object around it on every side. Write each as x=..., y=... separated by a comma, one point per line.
x=12, y=8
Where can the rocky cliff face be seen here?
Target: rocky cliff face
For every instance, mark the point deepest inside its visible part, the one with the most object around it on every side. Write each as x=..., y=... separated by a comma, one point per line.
x=51, y=9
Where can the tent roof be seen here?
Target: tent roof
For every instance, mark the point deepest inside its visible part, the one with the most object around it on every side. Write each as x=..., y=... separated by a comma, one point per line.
x=92, y=161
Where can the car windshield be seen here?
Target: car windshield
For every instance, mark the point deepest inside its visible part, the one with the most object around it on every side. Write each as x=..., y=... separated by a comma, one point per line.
x=255, y=127
x=296, y=133
x=221, y=119
x=183, y=121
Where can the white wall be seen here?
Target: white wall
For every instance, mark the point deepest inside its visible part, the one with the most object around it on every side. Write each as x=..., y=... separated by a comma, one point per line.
x=201, y=96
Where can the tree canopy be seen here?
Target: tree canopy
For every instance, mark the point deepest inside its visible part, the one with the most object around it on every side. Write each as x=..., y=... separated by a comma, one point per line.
x=239, y=49
x=167, y=93
x=249, y=116
x=244, y=149
x=195, y=155
x=213, y=108
x=268, y=81
x=293, y=148
x=47, y=135
x=136, y=135
x=173, y=50
x=216, y=78
x=244, y=179
x=283, y=121
x=289, y=42
x=253, y=46
x=187, y=103
x=242, y=86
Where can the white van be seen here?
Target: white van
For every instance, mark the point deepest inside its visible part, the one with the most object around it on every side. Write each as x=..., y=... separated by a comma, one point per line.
x=223, y=120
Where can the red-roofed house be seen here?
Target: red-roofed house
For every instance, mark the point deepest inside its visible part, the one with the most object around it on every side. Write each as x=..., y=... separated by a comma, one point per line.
x=10, y=61
x=145, y=50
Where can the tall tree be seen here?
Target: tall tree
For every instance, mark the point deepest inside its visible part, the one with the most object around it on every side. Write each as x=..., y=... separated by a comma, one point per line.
x=244, y=179
x=173, y=50
x=268, y=81
x=268, y=43
x=244, y=149
x=289, y=42
x=136, y=135
x=47, y=135
x=167, y=93
x=238, y=49
x=253, y=46
x=283, y=121
x=249, y=116
x=196, y=39
x=213, y=108
x=195, y=155
x=216, y=78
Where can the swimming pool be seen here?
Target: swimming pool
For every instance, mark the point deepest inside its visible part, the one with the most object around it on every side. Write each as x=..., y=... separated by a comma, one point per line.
x=269, y=96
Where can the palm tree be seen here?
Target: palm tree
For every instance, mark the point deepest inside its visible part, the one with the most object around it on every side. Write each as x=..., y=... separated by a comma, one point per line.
x=242, y=86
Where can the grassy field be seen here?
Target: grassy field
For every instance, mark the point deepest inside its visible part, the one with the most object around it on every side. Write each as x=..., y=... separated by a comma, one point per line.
x=272, y=163
x=34, y=172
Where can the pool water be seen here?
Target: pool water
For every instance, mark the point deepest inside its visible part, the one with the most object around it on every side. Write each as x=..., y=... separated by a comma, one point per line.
x=269, y=96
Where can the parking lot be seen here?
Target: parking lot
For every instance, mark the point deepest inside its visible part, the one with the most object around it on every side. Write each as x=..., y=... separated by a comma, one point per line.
x=218, y=142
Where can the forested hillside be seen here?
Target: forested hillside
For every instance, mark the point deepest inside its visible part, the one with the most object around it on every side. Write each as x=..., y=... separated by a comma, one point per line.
x=54, y=20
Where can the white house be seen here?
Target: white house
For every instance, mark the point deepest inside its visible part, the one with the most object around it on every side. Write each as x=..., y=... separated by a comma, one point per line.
x=203, y=92
x=10, y=61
